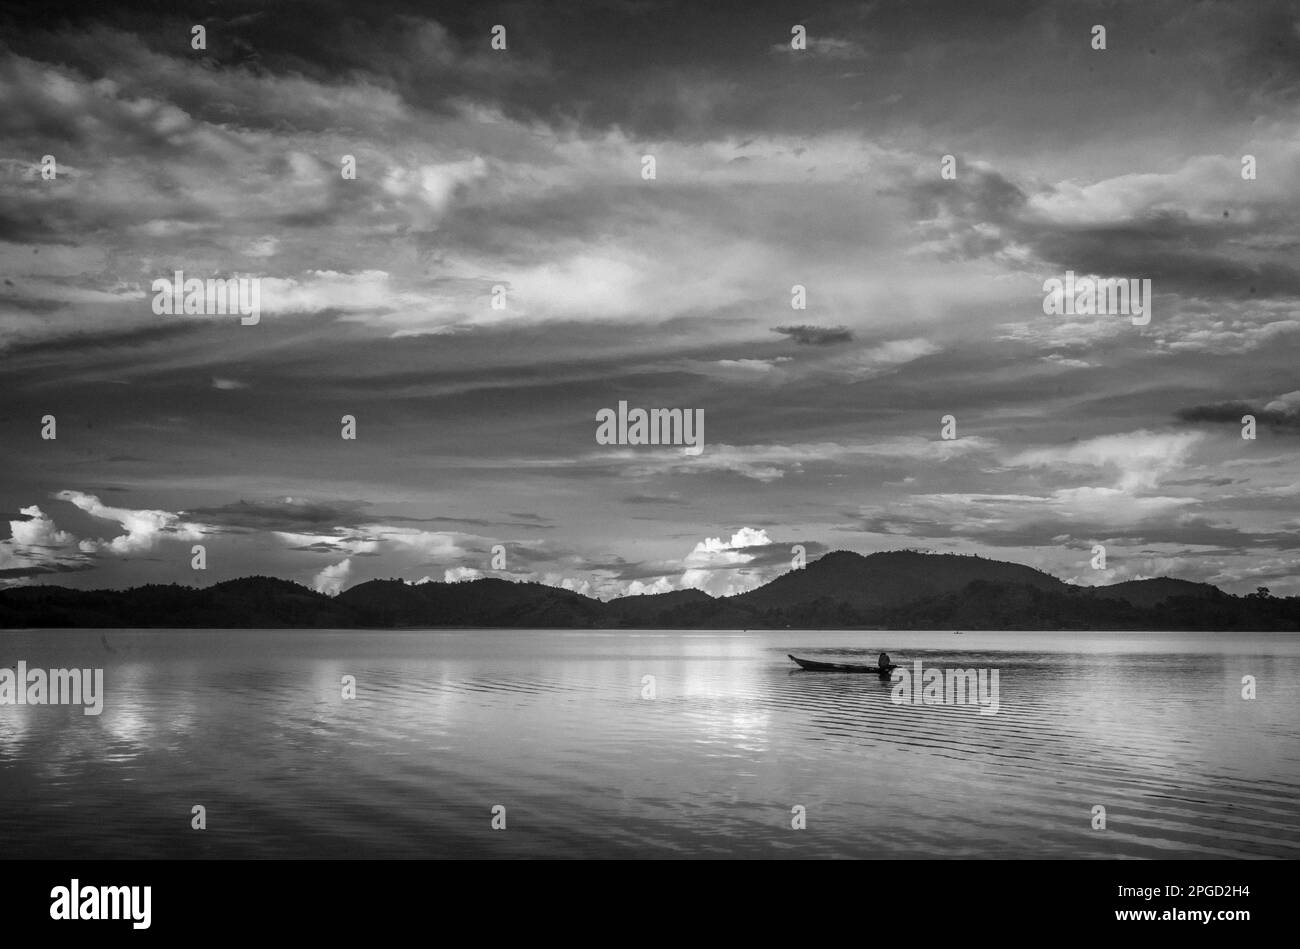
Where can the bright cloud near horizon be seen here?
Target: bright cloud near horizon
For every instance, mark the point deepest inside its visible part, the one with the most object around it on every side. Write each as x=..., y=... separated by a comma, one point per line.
x=516, y=176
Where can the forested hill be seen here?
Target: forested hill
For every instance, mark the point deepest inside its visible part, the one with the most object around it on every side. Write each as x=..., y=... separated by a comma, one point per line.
x=893, y=590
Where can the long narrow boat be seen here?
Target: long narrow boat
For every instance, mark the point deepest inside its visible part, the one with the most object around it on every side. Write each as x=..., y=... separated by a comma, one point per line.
x=812, y=665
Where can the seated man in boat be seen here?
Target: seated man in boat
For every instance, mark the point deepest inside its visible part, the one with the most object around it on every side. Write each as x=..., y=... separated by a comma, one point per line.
x=883, y=662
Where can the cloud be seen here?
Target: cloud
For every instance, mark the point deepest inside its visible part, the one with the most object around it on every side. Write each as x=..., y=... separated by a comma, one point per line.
x=288, y=514
x=806, y=335
x=522, y=169
x=878, y=360
x=37, y=547
x=824, y=47
x=1197, y=192
x=745, y=537
x=752, y=366
x=1234, y=330
x=434, y=186
x=143, y=529
x=772, y=462
x=370, y=538
x=1139, y=459
x=641, y=588
x=333, y=578
x=39, y=531
x=653, y=499
x=428, y=545
x=266, y=246
x=1281, y=413
x=1132, y=466
x=1065, y=362
x=717, y=566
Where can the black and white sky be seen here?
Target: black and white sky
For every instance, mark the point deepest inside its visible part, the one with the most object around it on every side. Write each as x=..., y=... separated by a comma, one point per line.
x=522, y=168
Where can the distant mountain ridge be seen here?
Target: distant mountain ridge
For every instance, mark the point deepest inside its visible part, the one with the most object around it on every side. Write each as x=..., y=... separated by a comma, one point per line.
x=889, y=590
x=890, y=579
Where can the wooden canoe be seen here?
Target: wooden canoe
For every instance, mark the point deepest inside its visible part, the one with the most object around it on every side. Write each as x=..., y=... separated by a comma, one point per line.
x=812, y=665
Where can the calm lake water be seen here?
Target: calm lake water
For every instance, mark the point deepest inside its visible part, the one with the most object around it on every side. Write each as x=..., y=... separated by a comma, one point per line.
x=552, y=725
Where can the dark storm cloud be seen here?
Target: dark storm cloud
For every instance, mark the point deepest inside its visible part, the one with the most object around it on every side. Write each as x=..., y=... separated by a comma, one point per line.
x=299, y=516
x=1210, y=482
x=288, y=514
x=665, y=68
x=82, y=343
x=43, y=103
x=1166, y=252
x=19, y=226
x=959, y=212
x=1187, y=251
x=671, y=68
x=1278, y=414
x=321, y=547
x=806, y=335
x=1218, y=412
x=429, y=54
x=12, y=573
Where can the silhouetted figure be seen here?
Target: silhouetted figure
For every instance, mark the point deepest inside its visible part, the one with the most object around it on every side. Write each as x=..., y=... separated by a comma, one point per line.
x=883, y=662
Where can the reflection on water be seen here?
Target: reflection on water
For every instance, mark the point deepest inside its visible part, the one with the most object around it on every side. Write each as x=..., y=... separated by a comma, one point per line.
x=552, y=724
